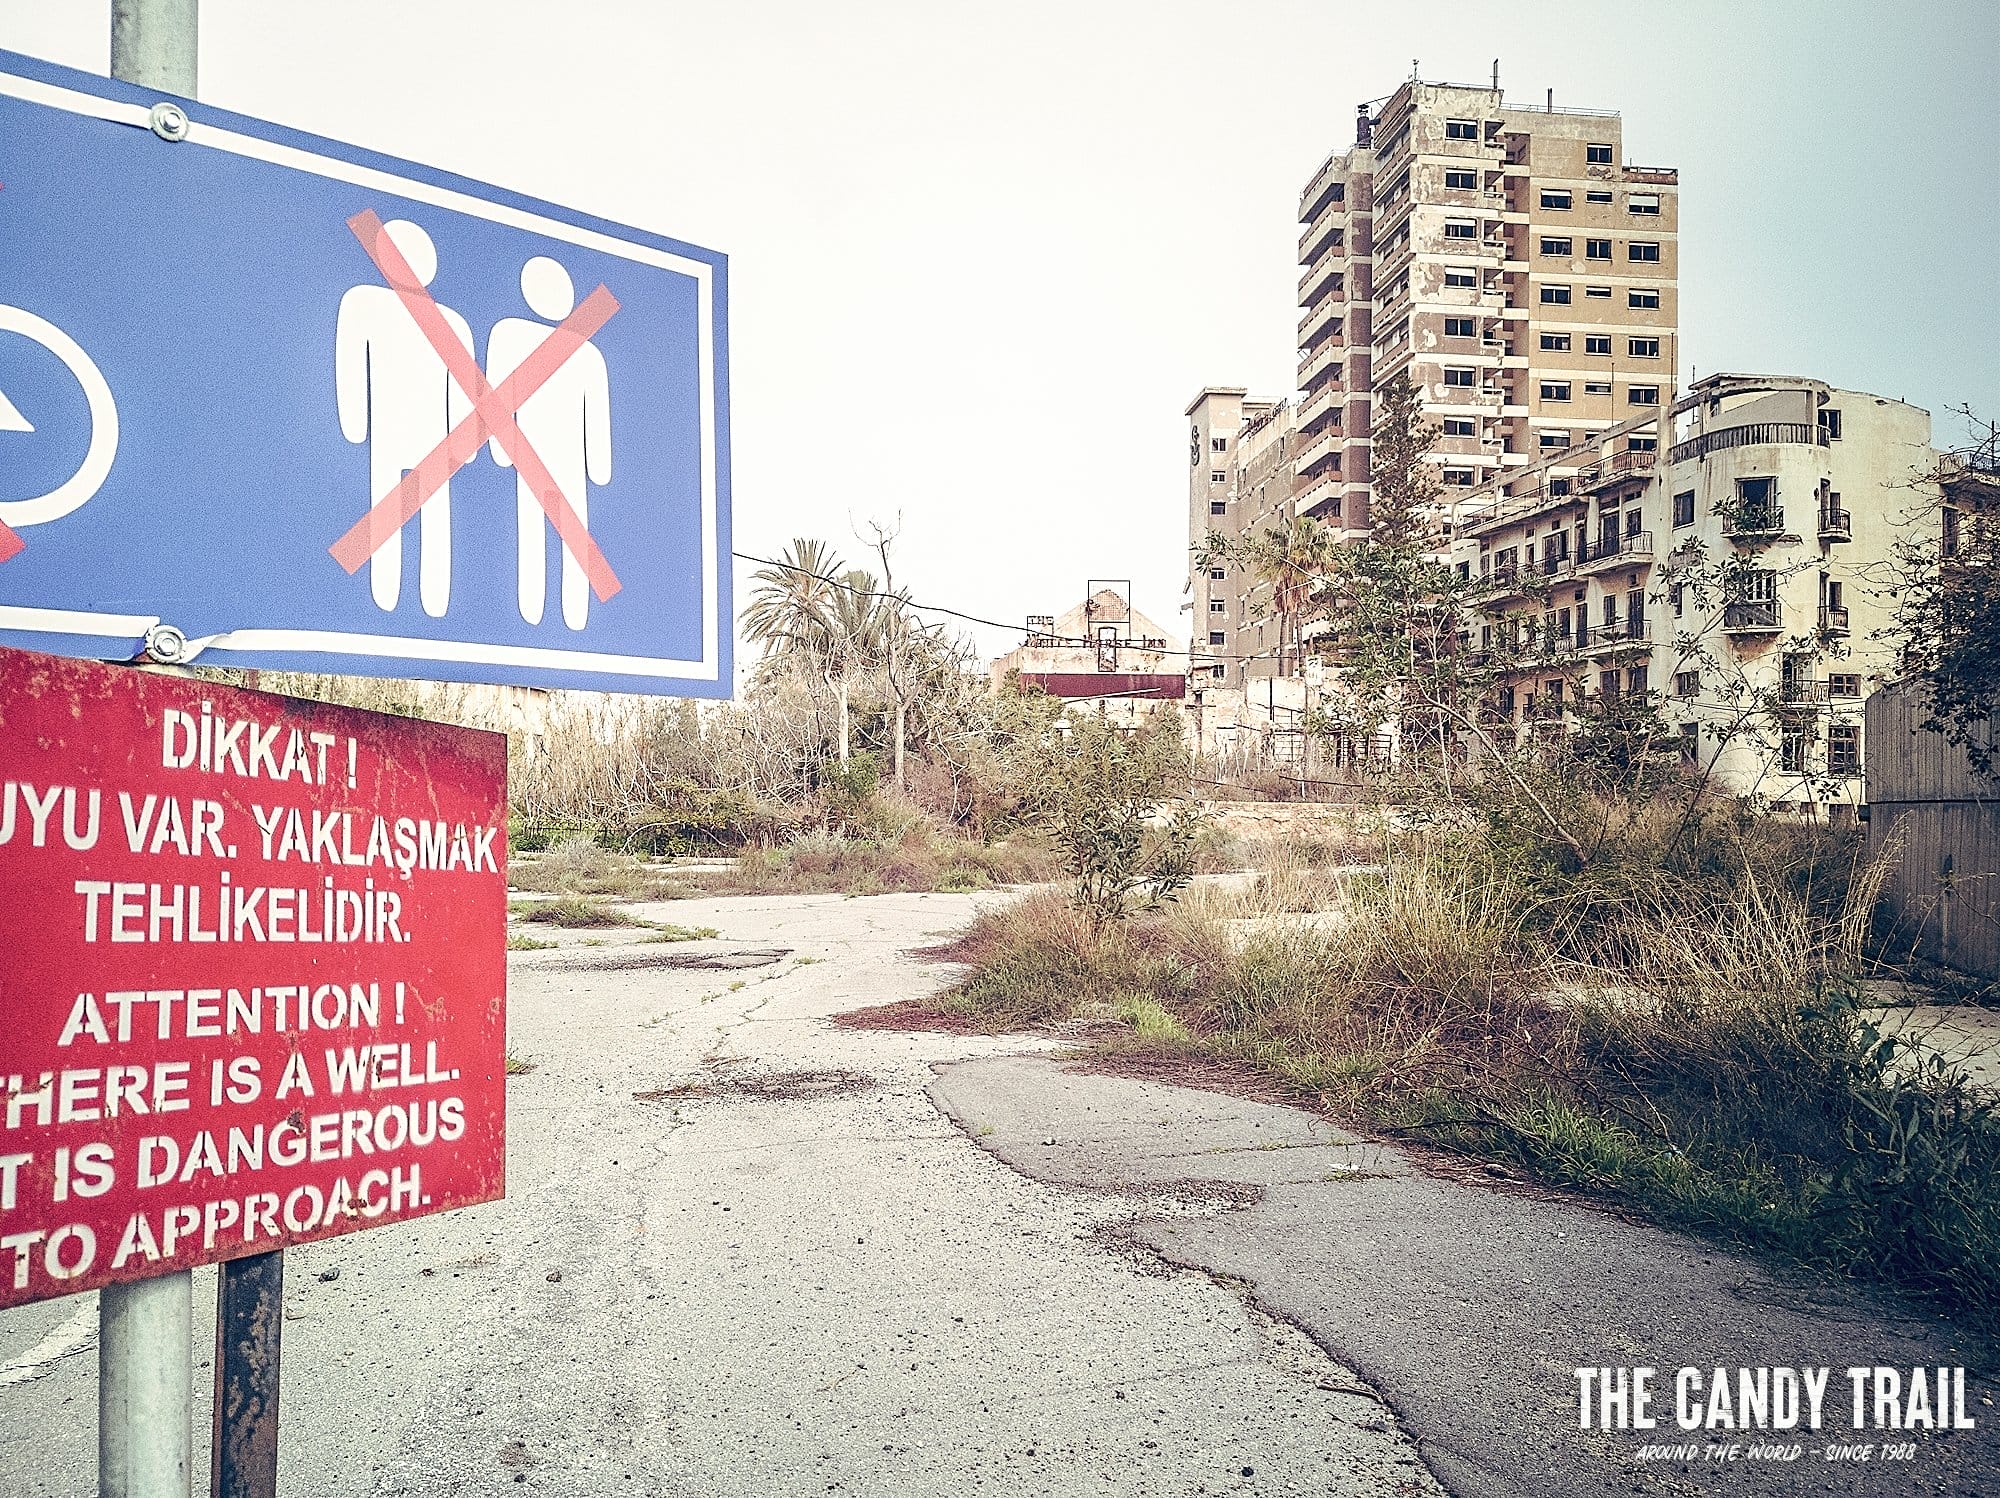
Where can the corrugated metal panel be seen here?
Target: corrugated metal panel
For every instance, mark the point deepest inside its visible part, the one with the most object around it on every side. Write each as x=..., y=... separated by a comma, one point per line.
x=1907, y=762
x=1945, y=888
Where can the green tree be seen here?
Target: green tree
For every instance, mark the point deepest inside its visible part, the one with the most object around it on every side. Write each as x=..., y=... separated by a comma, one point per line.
x=789, y=602
x=1115, y=801
x=808, y=612
x=1947, y=623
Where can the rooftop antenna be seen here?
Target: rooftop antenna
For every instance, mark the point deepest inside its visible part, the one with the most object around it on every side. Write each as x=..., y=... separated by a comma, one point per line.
x=1413, y=70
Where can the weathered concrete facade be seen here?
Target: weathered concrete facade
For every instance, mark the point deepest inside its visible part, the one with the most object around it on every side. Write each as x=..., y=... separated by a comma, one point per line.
x=1740, y=569
x=1507, y=259
x=1240, y=482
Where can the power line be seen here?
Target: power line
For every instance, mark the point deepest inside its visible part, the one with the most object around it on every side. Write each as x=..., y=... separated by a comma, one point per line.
x=937, y=608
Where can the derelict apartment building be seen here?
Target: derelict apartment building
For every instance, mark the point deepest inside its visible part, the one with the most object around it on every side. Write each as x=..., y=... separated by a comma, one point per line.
x=1240, y=483
x=1508, y=259
x=1744, y=574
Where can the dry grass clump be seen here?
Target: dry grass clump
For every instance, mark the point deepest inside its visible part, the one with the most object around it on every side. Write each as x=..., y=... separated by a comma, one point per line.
x=579, y=866
x=918, y=858
x=572, y=911
x=1692, y=1045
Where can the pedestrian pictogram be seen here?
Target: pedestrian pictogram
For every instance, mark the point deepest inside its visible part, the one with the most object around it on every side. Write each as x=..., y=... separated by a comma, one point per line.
x=374, y=437
x=490, y=410
x=568, y=421
x=396, y=395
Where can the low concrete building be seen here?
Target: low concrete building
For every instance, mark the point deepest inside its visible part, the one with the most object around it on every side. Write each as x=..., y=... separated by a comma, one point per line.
x=1737, y=567
x=1102, y=653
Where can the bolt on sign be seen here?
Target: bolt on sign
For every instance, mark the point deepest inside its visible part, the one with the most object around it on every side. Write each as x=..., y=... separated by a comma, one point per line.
x=255, y=973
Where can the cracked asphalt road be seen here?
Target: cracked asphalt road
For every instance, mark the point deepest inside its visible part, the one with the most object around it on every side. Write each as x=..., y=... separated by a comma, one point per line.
x=792, y=1286
x=1468, y=1306
x=746, y=1252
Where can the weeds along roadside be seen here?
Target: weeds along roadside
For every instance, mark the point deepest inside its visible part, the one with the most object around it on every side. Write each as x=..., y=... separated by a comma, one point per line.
x=1685, y=1038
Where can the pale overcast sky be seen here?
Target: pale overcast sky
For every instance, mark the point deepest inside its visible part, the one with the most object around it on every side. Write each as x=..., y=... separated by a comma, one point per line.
x=982, y=256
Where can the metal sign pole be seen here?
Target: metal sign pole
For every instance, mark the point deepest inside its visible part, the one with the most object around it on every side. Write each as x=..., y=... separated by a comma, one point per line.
x=145, y=1375
x=249, y=1316
x=153, y=43
x=145, y=1387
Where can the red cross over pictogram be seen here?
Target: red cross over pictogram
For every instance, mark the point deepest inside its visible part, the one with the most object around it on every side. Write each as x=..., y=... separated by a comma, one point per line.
x=493, y=413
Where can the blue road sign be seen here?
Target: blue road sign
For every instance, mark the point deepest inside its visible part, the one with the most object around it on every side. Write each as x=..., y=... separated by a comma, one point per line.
x=324, y=410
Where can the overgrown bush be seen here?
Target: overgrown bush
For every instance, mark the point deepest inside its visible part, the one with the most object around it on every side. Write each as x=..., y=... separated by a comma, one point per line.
x=1114, y=801
x=919, y=858
x=1686, y=1039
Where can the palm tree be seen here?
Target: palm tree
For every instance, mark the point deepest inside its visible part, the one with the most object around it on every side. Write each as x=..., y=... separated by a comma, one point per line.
x=789, y=605
x=807, y=611
x=1294, y=559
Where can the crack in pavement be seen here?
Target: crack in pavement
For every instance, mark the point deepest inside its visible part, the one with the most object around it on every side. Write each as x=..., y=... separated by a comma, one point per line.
x=1464, y=1305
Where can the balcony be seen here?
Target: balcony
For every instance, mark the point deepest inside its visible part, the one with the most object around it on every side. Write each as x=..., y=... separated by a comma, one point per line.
x=1319, y=449
x=1753, y=434
x=1320, y=323
x=1755, y=523
x=1616, y=470
x=1835, y=524
x=1833, y=619
x=1332, y=217
x=1611, y=551
x=1765, y=616
x=1802, y=692
x=1614, y=639
x=1320, y=494
x=1321, y=280
x=1319, y=191
x=1316, y=405
x=1320, y=361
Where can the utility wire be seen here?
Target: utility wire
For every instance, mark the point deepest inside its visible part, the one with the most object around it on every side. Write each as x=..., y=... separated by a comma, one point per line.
x=937, y=608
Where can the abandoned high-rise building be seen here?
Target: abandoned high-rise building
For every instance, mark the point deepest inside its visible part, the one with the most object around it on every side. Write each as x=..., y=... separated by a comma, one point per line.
x=1506, y=259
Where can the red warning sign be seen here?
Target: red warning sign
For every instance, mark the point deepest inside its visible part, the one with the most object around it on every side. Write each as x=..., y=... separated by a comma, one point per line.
x=252, y=972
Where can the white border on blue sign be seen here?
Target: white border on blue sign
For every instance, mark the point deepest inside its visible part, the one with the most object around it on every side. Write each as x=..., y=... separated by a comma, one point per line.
x=418, y=651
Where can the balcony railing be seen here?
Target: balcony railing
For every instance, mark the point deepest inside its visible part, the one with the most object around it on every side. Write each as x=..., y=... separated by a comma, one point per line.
x=1752, y=434
x=1764, y=616
x=1323, y=398
x=1802, y=692
x=1327, y=356
x=1637, y=546
x=1835, y=524
x=1832, y=619
x=1620, y=466
x=1629, y=635
x=1754, y=521
x=1319, y=449
x=1321, y=320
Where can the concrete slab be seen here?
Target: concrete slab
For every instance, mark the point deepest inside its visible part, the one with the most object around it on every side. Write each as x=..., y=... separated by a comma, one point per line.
x=1469, y=1308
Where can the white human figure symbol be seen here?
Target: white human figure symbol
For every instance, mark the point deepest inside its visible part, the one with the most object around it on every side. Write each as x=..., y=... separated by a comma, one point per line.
x=568, y=423
x=395, y=394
